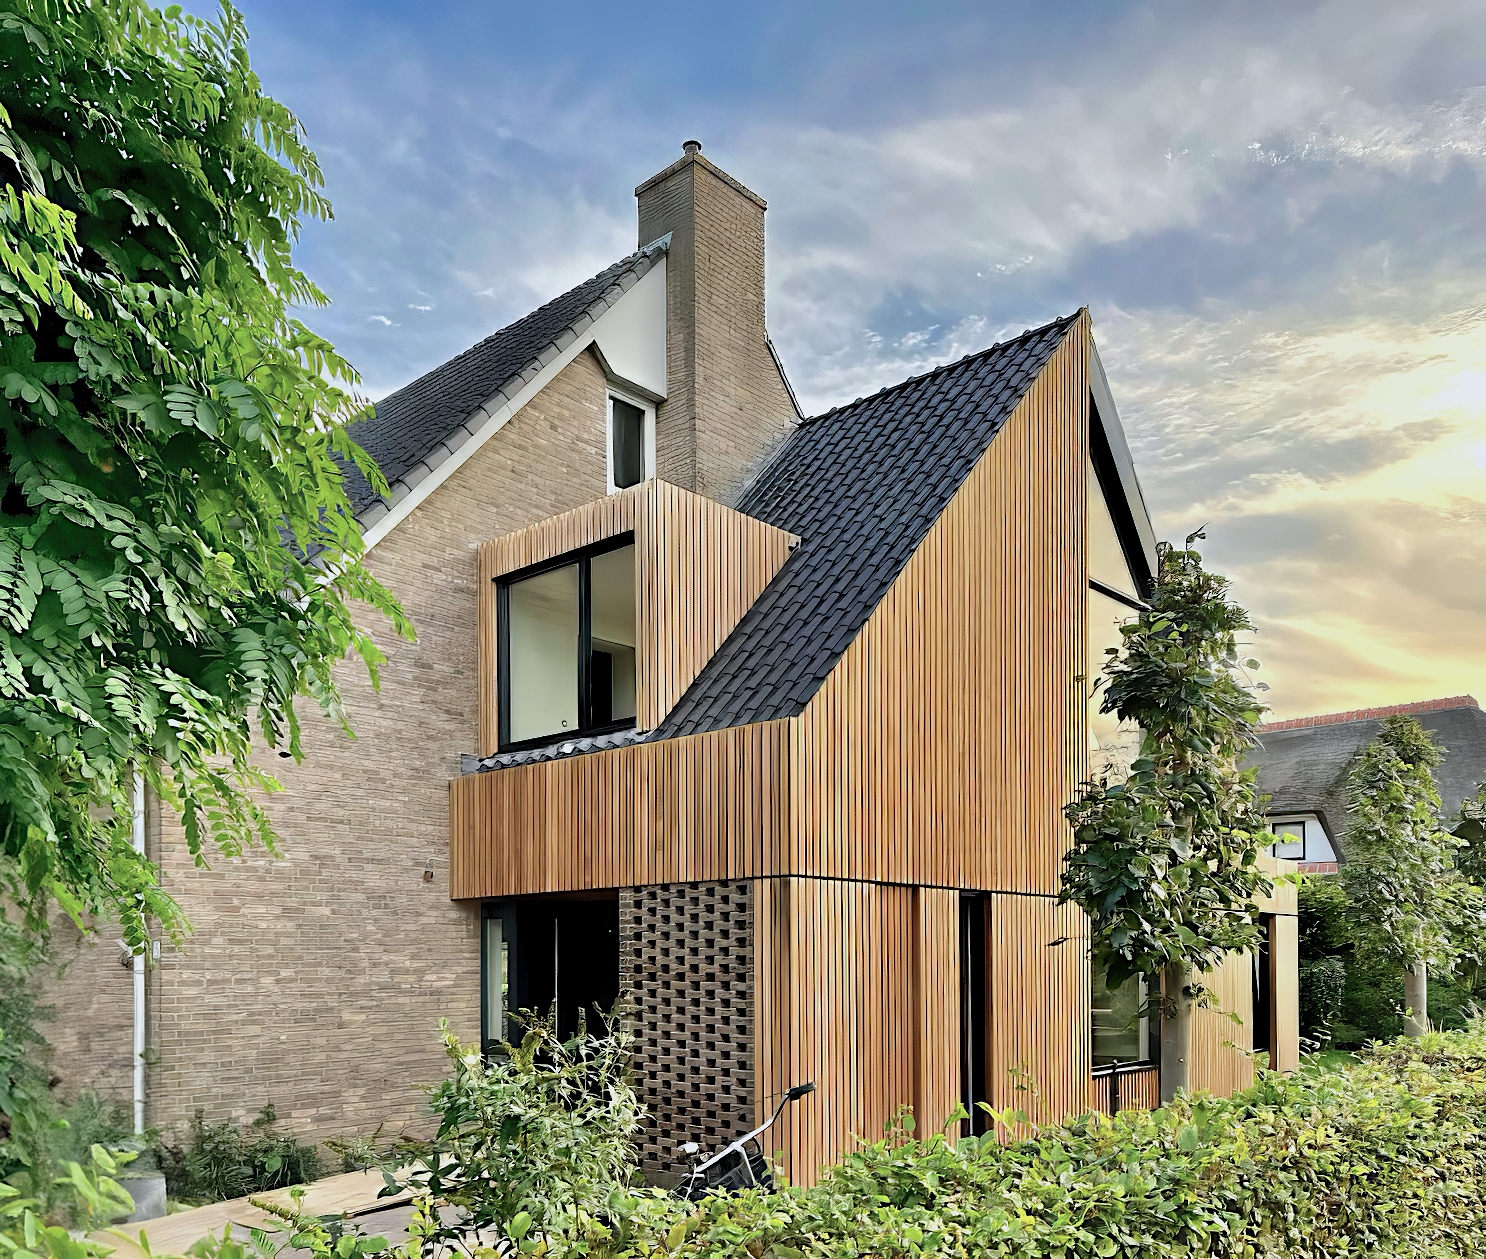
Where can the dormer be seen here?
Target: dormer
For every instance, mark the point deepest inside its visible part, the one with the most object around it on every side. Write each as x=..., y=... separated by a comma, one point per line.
x=594, y=623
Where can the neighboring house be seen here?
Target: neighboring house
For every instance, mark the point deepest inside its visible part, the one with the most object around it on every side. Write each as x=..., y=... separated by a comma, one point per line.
x=1303, y=765
x=766, y=722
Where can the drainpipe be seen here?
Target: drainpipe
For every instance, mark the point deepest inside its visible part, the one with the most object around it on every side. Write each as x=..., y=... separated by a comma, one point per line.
x=139, y=963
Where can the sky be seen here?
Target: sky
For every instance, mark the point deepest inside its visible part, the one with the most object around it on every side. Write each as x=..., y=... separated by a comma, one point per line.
x=1275, y=213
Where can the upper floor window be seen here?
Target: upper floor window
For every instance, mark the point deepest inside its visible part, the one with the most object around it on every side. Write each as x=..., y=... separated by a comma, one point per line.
x=631, y=442
x=1289, y=840
x=567, y=645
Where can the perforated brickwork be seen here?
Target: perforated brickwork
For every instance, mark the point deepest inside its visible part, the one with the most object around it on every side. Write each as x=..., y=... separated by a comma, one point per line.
x=686, y=960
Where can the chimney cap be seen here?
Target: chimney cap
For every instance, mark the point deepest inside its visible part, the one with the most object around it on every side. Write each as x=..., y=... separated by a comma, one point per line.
x=691, y=146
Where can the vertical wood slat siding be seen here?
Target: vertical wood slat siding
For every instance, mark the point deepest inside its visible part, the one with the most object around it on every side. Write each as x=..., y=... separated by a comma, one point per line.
x=1220, y=1061
x=1284, y=961
x=707, y=807
x=1140, y=1090
x=698, y=567
x=857, y=989
x=1038, y=1053
x=945, y=742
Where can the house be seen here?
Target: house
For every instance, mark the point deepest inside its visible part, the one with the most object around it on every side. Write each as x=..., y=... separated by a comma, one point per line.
x=765, y=721
x=1304, y=762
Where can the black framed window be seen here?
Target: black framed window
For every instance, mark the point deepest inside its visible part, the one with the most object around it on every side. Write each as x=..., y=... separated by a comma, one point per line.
x=567, y=645
x=1121, y=1029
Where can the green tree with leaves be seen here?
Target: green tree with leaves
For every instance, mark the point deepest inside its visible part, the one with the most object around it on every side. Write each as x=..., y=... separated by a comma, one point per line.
x=178, y=562
x=1400, y=873
x=1165, y=862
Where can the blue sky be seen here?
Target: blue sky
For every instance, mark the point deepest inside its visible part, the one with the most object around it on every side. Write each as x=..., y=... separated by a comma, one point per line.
x=1274, y=211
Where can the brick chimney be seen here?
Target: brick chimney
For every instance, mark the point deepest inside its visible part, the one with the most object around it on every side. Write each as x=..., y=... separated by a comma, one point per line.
x=728, y=407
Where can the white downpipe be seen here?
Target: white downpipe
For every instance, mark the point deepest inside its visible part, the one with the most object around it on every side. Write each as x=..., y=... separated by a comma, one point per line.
x=139, y=965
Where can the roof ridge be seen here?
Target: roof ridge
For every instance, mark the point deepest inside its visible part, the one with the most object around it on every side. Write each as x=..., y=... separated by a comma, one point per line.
x=1370, y=714
x=944, y=367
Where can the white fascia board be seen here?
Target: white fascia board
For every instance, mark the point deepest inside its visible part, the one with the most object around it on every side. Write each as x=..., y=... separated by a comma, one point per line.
x=637, y=305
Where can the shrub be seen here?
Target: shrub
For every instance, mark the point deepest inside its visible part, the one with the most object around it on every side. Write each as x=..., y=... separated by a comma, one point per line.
x=224, y=1160
x=538, y=1142
x=1385, y=1157
x=1323, y=984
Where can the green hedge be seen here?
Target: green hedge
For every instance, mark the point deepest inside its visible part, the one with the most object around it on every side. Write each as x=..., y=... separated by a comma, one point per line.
x=1383, y=1158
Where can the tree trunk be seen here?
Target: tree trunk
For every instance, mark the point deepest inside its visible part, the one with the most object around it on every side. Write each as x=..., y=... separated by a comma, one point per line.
x=1176, y=1031
x=1416, y=999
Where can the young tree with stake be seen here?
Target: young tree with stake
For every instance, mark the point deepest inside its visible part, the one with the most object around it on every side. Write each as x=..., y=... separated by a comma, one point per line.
x=1165, y=862
x=1400, y=869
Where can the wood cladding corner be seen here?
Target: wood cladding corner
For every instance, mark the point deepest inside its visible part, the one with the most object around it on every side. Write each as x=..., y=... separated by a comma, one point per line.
x=945, y=742
x=856, y=989
x=699, y=566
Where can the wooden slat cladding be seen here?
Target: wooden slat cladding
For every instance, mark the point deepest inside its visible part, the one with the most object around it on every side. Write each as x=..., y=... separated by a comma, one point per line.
x=705, y=566
x=1284, y=962
x=707, y=807
x=1038, y=1055
x=1140, y=1090
x=1220, y=1057
x=698, y=567
x=857, y=989
x=943, y=745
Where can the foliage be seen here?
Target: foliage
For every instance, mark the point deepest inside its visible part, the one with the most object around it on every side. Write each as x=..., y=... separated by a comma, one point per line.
x=1470, y=830
x=27, y=1230
x=535, y=1143
x=1164, y=862
x=1385, y=1157
x=224, y=1160
x=1323, y=986
x=177, y=558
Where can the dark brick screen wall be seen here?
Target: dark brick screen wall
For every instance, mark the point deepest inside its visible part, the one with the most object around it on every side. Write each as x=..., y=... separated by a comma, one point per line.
x=686, y=961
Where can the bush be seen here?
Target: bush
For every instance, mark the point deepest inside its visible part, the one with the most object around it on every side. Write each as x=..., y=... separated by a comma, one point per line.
x=1323, y=984
x=536, y=1142
x=1385, y=1157
x=225, y=1160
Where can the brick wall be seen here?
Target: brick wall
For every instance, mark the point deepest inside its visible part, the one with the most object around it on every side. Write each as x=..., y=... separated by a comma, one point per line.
x=317, y=981
x=92, y=1036
x=727, y=408
x=686, y=960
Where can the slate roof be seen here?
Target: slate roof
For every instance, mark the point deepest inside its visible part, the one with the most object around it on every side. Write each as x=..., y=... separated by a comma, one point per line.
x=860, y=485
x=1305, y=768
x=423, y=423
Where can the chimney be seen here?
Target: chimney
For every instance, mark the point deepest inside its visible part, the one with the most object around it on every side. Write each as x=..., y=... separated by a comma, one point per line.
x=728, y=406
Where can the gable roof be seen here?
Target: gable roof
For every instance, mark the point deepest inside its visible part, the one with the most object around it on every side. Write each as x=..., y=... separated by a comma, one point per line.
x=423, y=423
x=1304, y=763
x=860, y=485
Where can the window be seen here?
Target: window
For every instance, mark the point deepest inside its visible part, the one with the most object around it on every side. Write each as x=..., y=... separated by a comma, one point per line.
x=1290, y=840
x=1121, y=1030
x=537, y=951
x=631, y=442
x=567, y=646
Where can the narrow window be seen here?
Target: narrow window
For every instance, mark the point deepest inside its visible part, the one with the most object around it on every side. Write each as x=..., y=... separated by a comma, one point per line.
x=631, y=453
x=567, y=649
x=1289, y=840
x=1119, y=1022
x=1263, y=991
x=497, y=930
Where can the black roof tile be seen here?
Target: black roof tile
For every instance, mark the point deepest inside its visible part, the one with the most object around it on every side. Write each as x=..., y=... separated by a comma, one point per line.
x=860, y=485
x=409, y=425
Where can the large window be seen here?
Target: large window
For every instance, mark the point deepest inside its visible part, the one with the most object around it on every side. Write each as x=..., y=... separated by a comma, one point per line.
x=1120, y=1026
x=567, y=646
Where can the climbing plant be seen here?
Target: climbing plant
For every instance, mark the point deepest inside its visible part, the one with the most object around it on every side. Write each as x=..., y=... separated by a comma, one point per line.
x=178, y=562
x=1164, y=861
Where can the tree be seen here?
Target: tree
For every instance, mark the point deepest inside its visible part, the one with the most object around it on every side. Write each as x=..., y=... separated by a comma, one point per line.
x=178, y=561
x=1399, y=872
x=1164, y=863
